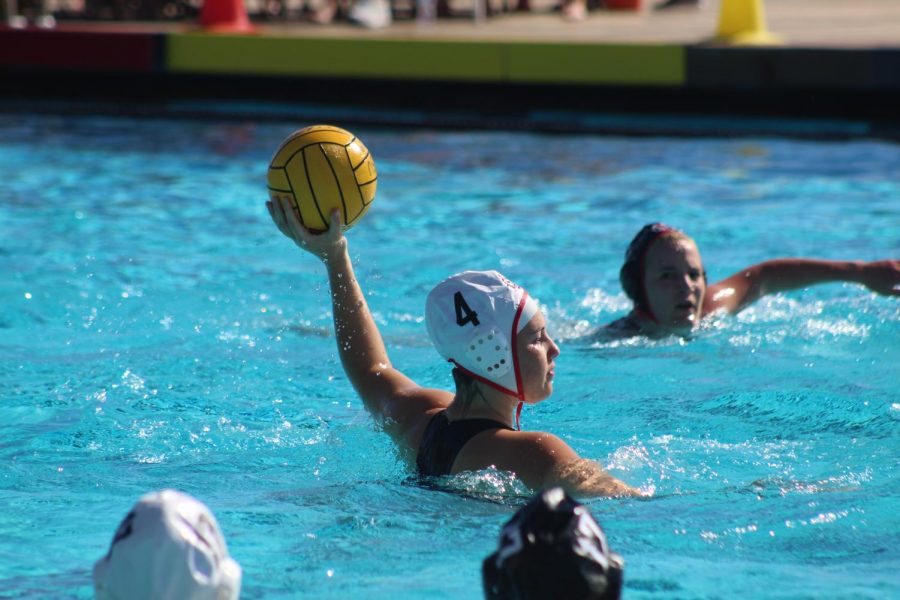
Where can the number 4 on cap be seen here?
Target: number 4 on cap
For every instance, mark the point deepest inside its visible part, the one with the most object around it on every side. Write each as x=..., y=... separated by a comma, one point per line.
x=464, y=314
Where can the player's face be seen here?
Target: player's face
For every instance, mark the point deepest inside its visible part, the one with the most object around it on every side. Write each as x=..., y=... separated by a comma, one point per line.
x=536, y=352
x=674, y=282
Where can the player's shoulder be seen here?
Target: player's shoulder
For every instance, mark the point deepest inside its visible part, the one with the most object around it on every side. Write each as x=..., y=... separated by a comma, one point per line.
x=532, y=443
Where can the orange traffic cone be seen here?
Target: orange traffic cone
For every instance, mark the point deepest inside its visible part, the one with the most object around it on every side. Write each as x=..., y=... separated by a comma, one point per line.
x=225, y=16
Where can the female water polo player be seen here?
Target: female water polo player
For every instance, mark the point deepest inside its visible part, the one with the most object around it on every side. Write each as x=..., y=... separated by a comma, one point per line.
x=664, y=276
x=495, y=336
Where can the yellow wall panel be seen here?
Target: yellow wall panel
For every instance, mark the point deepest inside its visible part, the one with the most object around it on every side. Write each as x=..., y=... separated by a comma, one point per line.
x=325, y=57
x=601, y=64
x=443, y=60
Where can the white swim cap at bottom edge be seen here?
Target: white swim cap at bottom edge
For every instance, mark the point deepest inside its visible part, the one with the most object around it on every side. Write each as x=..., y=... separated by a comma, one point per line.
x=169, y=546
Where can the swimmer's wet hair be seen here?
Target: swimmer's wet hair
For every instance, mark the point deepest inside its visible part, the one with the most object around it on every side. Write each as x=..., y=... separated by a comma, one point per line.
x=631, y=275
x=466, y=389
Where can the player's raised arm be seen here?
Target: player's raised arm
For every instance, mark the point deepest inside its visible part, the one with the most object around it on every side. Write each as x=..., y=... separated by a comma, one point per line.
x=360, y=344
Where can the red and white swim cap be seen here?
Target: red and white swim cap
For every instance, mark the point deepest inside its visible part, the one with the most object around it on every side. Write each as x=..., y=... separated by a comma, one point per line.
x=473, y=319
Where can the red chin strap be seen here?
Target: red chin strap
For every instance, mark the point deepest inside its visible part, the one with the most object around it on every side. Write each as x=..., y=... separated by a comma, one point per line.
x=515, y=353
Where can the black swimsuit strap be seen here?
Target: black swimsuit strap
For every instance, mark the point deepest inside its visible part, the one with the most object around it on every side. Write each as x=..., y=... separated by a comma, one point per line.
x=443, y=441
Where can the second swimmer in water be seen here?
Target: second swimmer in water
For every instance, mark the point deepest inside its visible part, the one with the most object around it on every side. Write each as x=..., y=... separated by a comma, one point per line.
x=496, y=338
x=664, y=276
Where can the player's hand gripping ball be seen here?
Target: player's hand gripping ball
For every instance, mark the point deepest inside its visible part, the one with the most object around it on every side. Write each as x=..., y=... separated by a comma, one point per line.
x=321, y=168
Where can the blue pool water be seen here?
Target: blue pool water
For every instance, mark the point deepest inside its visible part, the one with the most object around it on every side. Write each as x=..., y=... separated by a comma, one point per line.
x=157, y=331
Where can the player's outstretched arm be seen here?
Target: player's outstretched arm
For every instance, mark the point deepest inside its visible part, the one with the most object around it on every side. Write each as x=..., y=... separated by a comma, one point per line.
x=360, y=345
x=750, y=284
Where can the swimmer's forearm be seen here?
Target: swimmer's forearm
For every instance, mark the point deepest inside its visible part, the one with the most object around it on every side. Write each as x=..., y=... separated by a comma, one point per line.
x=780, y=275
x=612, y=488
x=360, y=345
x=786, y=274
x=584, y=477
x=881, y=276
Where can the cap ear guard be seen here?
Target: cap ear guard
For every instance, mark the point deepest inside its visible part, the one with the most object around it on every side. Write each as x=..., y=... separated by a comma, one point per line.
x=490, y=350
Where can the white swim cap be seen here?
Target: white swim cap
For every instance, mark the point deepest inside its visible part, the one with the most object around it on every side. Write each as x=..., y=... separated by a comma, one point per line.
x=168, y=547
x=473, y=319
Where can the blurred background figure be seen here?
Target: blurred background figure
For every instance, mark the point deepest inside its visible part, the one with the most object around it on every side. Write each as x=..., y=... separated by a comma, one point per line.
x=552, y=548
x=168, y=547
x=20, y=13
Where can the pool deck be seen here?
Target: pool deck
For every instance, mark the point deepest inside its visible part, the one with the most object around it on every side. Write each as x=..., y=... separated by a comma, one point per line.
x=835, y=72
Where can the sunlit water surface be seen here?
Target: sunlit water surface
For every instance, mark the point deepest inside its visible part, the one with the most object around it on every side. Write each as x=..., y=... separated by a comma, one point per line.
x=157, y=331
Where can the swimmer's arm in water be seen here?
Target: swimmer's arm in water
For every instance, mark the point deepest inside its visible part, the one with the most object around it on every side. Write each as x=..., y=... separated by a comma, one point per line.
x=749, y=285
x=587, y=478
x=541, y=460
x=360, y=345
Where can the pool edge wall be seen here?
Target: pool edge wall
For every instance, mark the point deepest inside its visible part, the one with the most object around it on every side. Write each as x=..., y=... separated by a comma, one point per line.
x=428, y=60
x=506, y=82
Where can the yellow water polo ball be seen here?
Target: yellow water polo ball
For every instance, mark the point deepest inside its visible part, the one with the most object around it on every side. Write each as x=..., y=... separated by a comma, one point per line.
x=320, y=168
